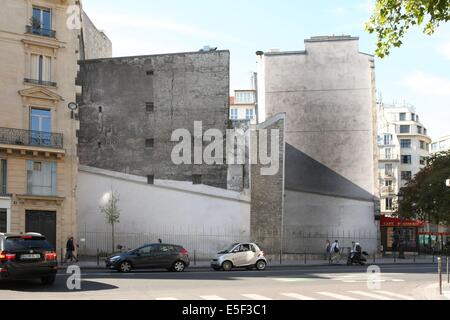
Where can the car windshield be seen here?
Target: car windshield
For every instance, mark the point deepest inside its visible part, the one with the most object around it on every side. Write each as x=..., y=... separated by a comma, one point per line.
x=19, y=244
x=229, y=248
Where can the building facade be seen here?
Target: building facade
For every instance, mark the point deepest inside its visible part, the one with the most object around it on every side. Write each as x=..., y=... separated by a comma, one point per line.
x=157, y=95
x=38, y=144
x=441, y=144
x=243, y=106
x=404, y=144
x=327, y=92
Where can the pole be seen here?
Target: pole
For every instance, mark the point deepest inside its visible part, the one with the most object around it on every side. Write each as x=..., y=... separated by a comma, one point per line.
x=98, y=258
x=448, y=274
x=440, y=274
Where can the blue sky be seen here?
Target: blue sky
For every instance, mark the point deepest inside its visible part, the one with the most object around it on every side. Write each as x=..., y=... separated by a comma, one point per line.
x=418, y=73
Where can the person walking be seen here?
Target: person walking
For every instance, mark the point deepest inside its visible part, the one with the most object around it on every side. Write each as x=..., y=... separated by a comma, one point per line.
x=327, y=250
x=335, y=250
x=70, y=249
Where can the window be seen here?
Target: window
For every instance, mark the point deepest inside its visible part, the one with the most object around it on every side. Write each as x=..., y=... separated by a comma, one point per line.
x=419, y=130
x=402, y=116
x=42, y=22
x=41, y=127
x=196, y=179
x=387, y=139
x=389, y=204
x=389, y=169
x=234, y=114
x=245, y=97
x=388, y=153
x=405, y=144
x=41, y=68
x=150, y=106
x=149, y=143
x=423, y=145
x=3, y=221
x=148, y=249
x=165, y=248
x=151, y=179
x=249, y=114
x=405, y=129
x=41, y=178
x=3, y=175
x=406, y=159
x=388, y=183
x=423, y=161
x=150, y=72
x=407, y=175
x=413, y=117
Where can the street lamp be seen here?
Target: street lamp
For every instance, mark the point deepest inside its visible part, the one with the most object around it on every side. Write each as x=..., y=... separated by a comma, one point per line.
x=72, y=107
x=401, y=244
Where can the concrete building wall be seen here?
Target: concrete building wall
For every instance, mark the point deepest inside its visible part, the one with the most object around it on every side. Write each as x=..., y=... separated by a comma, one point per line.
x=95, y=44
x=157, y=95
x=328, y=94
x=171, y=210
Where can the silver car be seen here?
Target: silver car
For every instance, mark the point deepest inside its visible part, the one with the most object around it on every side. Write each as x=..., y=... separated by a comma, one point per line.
x=240, y=255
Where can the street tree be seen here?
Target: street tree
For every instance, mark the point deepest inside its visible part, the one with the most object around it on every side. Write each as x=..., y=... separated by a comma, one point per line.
x=112, y=213
x=427, y=197
x=393, y=18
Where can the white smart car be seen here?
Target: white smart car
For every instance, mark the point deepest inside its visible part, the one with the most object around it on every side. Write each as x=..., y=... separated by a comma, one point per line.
x=240, y=255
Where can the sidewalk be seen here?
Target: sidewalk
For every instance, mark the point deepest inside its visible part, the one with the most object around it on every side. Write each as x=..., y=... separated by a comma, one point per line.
x=91, y=263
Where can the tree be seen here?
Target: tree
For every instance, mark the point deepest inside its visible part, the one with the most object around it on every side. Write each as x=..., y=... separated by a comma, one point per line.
x=427, y=197
x=393, y=18
x=112, y=213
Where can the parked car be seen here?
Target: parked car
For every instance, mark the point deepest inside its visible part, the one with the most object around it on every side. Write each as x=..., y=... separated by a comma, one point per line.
x=27, y=256
x=240, y=255
x=152, y=256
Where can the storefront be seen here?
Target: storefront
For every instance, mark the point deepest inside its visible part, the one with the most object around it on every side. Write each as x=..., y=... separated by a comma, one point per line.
x=396, y=232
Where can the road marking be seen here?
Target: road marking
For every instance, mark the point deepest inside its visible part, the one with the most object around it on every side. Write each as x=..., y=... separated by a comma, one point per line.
x=396, y=295
x=297, y=296
x=397, y=280
x=291, y=279
x=336, y=296
x=256, y=297
x=370, y=295
x=216, y=298
x=166, y=299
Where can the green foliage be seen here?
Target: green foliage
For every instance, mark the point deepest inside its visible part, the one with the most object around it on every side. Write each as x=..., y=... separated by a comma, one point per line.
x=427, y=197
x=393, y=18
x=111, y=209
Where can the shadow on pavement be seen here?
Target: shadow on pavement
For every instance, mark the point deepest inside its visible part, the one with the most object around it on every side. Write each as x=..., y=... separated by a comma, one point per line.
x=59, y=286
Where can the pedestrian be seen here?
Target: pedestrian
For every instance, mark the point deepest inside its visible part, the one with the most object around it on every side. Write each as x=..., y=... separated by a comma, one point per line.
x=334, y=251
x=159, y=240
x=70, y=249
x=327, y=250
x=353, y=250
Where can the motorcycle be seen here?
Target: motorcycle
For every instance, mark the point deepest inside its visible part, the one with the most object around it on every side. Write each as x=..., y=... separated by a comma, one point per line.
x=357, y=257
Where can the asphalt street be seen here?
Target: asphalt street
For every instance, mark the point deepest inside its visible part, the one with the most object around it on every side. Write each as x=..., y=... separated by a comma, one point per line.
x=394, y=282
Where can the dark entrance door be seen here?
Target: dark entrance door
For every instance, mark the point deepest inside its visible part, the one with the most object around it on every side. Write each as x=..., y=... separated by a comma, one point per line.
x=43, y=222
x=3, y=221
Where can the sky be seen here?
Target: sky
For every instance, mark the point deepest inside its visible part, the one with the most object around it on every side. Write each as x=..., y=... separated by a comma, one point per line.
x=418, y=73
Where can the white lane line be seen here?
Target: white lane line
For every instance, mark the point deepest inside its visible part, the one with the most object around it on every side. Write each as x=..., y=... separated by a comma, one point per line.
x=447, y=294
x=297, y=296
x=214, y=298
x=336, y=296
x=166, y=299
x=256, y=297
x=396, y=295
x=370, y=295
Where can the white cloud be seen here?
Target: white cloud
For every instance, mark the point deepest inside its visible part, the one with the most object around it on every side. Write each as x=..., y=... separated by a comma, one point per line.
x=428, y=84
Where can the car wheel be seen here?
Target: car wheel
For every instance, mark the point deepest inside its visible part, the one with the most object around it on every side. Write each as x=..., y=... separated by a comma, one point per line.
x=261, y=265
x=227, y=266
x=125, y=267
x=178, y=266
x=48, y=281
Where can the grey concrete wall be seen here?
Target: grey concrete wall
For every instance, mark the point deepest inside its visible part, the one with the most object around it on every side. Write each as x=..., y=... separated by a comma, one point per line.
x=184, y=88
x=94, y=43
x=267, y=194
x=328, y=95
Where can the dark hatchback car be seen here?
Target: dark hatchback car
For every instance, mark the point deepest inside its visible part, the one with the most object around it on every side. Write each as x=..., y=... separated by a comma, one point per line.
x=27, y=256
x=152, y=256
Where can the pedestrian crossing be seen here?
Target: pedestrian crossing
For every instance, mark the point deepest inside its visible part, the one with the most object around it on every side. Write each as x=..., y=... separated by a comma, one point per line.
x=321, y=295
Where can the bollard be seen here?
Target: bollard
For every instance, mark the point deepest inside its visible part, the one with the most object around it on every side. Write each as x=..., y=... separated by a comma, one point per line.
x=374, y=257
x=440, y=274
x=98, y=258
x=195, y=258
x=281, y=257
x=305, y=258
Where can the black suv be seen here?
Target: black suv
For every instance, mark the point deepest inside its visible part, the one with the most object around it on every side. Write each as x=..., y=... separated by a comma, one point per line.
x=152, y=256
x=27, y=256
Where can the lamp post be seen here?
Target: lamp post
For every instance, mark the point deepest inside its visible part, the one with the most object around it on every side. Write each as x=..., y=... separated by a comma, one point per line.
x=401, y=244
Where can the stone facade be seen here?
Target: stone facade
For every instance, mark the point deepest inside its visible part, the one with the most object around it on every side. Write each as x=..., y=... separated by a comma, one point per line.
x=131, y=106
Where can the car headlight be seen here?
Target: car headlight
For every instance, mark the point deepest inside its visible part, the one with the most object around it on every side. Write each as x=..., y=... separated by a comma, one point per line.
x=114, y=258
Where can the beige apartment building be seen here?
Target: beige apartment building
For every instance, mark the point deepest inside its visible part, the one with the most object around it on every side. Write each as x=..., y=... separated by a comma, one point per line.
x=38, y=140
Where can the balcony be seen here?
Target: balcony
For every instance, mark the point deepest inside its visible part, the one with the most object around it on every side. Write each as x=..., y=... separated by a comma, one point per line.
x=387, y=190
x=41, y=32
x=40, y=82
x=389, y=157
x=19, y=137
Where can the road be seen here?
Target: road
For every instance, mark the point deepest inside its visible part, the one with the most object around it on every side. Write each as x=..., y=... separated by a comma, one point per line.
x=395, y=282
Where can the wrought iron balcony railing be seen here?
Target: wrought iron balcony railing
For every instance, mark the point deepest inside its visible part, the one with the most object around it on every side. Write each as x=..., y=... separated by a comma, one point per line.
x=41, y=32
x=40, y=82
x=31, y=138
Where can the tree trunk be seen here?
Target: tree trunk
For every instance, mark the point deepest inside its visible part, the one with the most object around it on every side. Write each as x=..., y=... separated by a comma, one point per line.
x=113, y=243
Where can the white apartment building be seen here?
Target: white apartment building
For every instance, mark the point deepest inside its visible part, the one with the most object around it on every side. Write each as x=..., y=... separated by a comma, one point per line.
x=440, y=145
x=404, y=146
x=243, y=106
